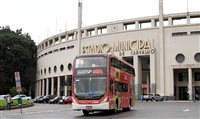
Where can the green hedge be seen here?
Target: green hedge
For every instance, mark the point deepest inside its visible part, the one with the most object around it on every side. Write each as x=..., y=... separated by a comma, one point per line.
x=15, y=104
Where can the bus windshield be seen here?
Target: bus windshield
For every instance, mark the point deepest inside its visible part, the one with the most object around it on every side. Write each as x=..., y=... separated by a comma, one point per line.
x=90, y=88
x=90, y=62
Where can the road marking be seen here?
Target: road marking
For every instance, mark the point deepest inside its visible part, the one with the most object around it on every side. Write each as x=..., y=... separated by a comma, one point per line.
x=26, y=113
x=186, y=110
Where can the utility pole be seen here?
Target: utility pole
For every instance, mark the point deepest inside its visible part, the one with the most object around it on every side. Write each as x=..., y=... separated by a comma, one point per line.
x=161, y=49
x=79, y=25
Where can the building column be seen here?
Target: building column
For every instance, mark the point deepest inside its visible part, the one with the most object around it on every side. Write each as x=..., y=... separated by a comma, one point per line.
x=188, y=18
x=58, y=86
x=170, y=21
x=75, y=35
x=153, y=23
x=85, y=33
x=148, y=84
x=43, y=81
x=152, y=73
x=136, y=25
x=190, y=83
x=52, y=86
x=161, y=51
x=47, y=86
x=66, y=37
x=96, y=31
x=65, y=89
x=53, y=41
x=138, y=80
x=36, y=88
x=40, y=87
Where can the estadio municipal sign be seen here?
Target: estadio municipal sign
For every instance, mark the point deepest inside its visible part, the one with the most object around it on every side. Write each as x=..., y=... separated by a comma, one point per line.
x=136, y=47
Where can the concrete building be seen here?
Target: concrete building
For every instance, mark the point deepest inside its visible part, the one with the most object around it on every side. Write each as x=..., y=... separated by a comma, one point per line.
x=164, y=49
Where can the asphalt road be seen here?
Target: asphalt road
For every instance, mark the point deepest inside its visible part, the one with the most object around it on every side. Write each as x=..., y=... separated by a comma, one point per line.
x=142, y=110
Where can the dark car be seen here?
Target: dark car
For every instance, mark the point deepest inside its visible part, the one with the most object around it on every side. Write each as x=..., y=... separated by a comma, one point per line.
x=55, y=100
x=61, y=101
x=36, y=99
x=46, y=98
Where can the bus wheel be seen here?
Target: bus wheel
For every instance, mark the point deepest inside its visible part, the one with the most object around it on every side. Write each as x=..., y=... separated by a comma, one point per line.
x=116, y=106
x=129, y=107
x=85, y=112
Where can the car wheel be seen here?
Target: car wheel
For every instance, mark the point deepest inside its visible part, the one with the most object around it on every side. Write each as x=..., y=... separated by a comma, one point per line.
x=152, y=99
x=161, y=99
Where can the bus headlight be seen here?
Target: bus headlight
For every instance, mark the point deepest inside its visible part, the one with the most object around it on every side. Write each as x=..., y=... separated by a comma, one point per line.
x=105, y=99
x=73, y=100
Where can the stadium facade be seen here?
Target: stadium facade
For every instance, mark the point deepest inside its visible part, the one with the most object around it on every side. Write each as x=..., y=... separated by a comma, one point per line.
x=164, y=49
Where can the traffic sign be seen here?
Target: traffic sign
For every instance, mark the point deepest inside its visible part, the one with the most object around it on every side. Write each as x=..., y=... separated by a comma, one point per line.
x=18, y=82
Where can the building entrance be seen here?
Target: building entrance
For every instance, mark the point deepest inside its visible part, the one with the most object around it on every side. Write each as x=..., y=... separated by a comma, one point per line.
x=183, y=93
x=181, y=84
x=185, y=79
x=145, y=60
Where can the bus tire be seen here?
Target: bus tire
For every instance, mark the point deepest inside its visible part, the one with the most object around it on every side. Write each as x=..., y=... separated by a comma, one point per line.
x=85, y=112
x=128, y=108
x=116, y=106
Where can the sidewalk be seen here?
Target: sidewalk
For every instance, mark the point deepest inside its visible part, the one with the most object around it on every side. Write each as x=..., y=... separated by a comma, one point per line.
x=172, y=101
x=38, y=108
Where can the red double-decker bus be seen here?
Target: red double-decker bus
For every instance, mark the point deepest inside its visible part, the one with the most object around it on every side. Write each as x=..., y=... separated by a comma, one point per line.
x=102, y=82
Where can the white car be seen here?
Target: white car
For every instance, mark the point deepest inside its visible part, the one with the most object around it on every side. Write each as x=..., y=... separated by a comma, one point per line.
x=24, y=97
x=2, y=96
x=152, y=97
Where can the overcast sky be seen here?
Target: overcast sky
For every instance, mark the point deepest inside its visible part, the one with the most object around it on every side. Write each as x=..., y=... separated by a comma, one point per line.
x=44, y=18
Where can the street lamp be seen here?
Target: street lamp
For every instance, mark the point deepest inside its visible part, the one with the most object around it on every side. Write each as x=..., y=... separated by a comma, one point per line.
x=79, y=25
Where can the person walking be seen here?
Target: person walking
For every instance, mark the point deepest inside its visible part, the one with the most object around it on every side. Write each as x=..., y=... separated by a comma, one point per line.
x=8, y=99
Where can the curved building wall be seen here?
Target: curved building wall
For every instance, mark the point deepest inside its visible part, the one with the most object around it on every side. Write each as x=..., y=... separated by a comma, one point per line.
x=138, y=42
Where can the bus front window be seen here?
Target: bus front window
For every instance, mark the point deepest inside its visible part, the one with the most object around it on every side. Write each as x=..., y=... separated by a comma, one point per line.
x=90, y=88
x=90, y=62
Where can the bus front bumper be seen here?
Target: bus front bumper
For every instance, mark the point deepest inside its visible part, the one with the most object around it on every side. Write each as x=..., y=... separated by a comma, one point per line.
x=101, y=106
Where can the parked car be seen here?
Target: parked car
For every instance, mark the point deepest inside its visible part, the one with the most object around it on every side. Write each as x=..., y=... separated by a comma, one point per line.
x=23, y=97
x=61, y=101
x=36, y=99
x=55, y=100
x=152, y=97
x=68, y=99
x=3, y=96
x=46, y=98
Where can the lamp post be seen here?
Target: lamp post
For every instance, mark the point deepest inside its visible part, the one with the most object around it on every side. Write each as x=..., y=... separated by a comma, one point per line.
x=79, y=25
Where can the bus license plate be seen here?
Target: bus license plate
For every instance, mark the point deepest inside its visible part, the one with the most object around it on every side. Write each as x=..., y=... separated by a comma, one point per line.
x=88, y=107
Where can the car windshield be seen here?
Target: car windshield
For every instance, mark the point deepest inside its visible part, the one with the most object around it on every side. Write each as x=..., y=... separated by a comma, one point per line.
x=90, y=88
x=55, y=98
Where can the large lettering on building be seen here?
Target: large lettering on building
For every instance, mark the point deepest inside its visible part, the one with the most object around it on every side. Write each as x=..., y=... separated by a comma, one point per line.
x=136, y=47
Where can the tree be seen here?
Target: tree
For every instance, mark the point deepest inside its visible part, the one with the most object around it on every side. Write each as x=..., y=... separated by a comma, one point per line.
x=13, y=91
x=17, y=53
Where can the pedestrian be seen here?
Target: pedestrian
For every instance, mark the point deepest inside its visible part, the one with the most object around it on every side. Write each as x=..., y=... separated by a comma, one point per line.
x=141, y=97
x=8, y=100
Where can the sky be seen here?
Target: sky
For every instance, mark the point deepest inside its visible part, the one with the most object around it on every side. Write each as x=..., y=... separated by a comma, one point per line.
x=45, y=18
